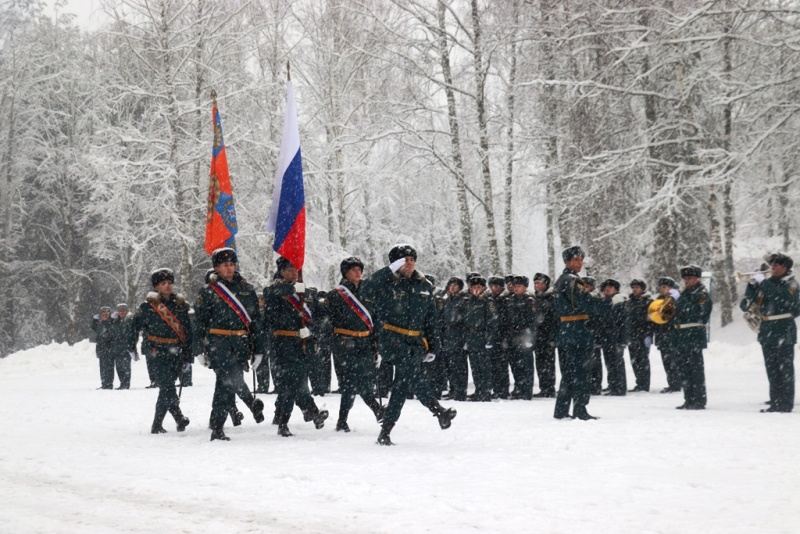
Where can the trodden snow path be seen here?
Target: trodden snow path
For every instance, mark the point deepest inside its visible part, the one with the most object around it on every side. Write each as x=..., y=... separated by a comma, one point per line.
x=74, y=459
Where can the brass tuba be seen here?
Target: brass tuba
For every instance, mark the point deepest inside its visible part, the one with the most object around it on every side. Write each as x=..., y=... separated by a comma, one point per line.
x=662, y=311
x=753, y=315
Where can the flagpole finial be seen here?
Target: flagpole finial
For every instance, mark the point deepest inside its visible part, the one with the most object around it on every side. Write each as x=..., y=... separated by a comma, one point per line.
x=288, y=72
x=214, y=96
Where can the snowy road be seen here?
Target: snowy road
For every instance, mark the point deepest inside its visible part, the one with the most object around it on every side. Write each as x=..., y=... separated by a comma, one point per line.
x=73, y=459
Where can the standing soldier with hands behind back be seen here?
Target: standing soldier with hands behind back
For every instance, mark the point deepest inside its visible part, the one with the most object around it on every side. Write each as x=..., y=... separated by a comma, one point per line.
x=778, y=300
x=163, y=321
x=229, y=325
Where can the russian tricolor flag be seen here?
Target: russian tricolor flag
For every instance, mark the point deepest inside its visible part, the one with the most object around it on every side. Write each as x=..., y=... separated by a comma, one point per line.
x=287, y=217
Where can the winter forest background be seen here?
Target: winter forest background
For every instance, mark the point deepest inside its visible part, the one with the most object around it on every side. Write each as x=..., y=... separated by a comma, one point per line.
x=653, y=133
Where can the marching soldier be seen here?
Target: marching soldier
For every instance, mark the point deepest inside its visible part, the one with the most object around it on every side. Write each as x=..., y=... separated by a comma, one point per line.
x=122, y=325
x=480, y=326
x=575, y=339
x=454, y=359
x=519, y=324
x=544, y=348
x=354, y=345
x=610, y=331
x=596, y=376
x=499, y=354
x=287, y=322
x=778, y=300
x=693, y=311
x=103, y=328
x=665, y=334
x=163, y=321
x=229, y=324
x=401, y=304
x=640, y=335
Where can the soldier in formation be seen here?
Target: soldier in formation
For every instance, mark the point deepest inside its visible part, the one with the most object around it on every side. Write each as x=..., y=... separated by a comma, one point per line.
x=400, y=300
x=287, y=332
x=575, y=339
x=163, y=322
x=354, y=342
x=103, y=328
x=229, y=324
x=777, y=302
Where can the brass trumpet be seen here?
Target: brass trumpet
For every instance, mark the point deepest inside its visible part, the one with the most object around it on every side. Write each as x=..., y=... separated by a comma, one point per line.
x=741, y=276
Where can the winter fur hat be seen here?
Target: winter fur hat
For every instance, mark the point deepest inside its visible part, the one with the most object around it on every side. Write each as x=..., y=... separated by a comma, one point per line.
x=779, y=258
x=667, y=281
x=457, y=281
x=282, y=263
x=349, y=263
x=610, y=283
x=519, y=279
x=223, y=255
x=401, y=251
x=477, y=281
x=497, y=281
x=572, y=252
x=543, y=277
x=636, y=282
x=691, y=270
x=160, y=275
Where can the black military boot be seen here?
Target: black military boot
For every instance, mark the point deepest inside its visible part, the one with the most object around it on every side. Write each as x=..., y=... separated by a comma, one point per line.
x=257, y=407
x=378, y=410
x=219, y=434
x=180, y=420
x=158, y=424
x=579, y=412
x=341, y=424
x=236, y=416
x=383, y=437
x=317, y=416
x=283, y=427
x=444, y=415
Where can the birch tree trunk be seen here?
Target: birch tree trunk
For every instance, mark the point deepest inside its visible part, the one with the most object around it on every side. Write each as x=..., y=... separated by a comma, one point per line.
x=480, y=102
x=464, y=216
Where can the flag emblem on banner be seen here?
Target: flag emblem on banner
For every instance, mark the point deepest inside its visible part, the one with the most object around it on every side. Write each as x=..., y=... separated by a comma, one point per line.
x=221, y=225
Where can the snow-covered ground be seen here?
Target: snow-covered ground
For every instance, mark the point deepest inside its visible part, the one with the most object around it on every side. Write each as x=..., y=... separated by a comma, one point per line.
x=74, y=459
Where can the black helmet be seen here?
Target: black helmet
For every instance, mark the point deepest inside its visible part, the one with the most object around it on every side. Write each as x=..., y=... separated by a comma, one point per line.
x=349, y=263
x=222, y=255
x=159, y=275
x=401, y=251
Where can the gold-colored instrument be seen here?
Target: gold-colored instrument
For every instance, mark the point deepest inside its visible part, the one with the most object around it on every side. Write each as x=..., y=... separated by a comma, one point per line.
x=662, y=311
x=741, y=276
